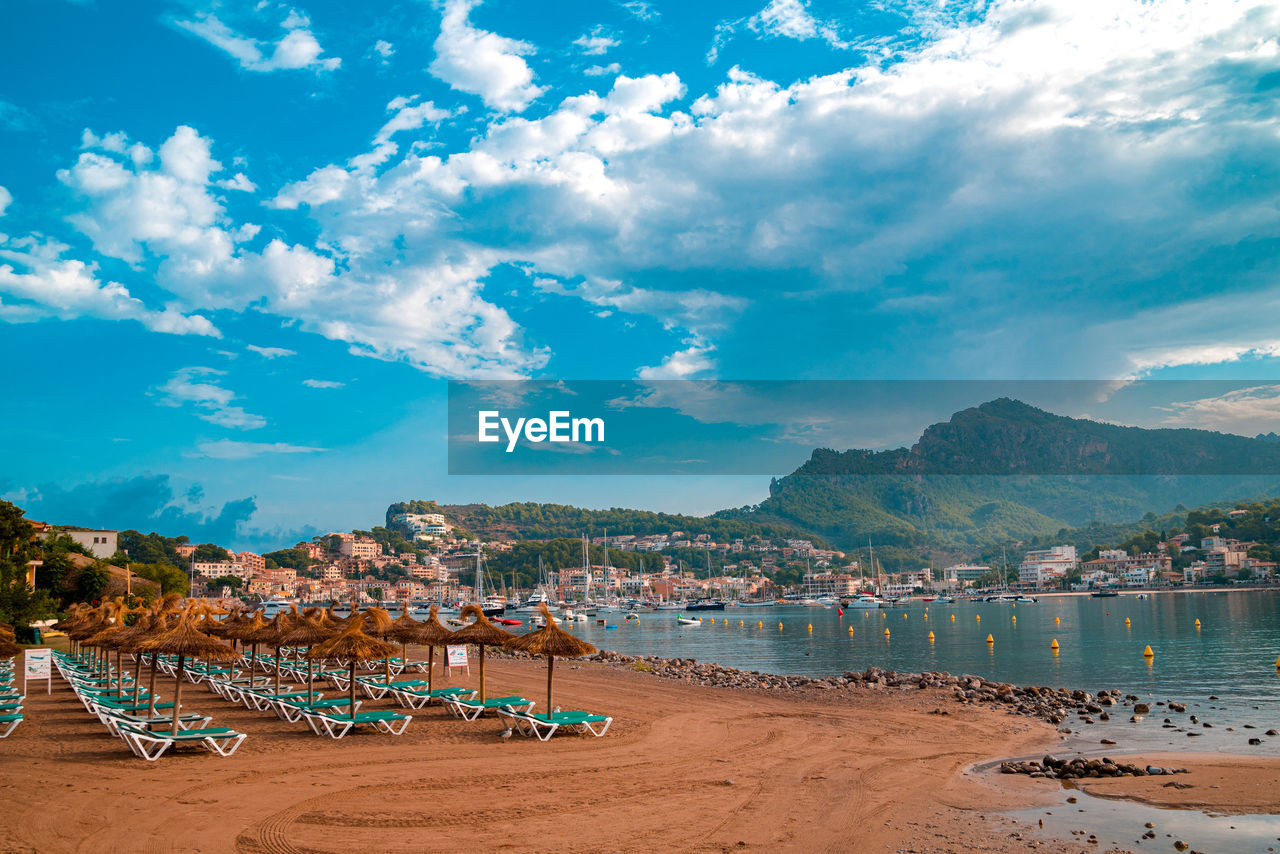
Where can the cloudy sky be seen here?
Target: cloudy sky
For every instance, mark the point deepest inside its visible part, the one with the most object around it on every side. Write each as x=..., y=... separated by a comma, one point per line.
x=243, y=245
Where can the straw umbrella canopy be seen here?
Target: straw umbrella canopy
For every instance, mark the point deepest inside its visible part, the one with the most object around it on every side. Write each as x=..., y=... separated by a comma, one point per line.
x=186, y=641
x=553, y=642
x=404, y=630
x=308, y=631
x=93, y=622
x=481, y=633
x=244, y=632
x=131, y=640
x=378, y=623
x=432, y=634
x=105, y=638
x=273, y=634
x=352, y=645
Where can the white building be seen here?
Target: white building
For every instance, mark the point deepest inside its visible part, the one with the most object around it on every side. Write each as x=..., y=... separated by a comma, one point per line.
x=100, y=544
x=963, y=574
x=422, y=525
x=360, y=547
x=1046, y=566
x=219, y=569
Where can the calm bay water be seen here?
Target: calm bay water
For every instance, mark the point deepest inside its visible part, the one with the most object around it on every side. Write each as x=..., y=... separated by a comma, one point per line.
x=1231, y=656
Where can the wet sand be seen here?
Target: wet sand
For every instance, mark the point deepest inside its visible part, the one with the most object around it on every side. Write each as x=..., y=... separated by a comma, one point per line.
x=684, y=768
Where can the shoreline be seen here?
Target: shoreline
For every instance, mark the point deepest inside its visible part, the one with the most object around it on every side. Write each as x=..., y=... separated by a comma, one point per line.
x=686, y=767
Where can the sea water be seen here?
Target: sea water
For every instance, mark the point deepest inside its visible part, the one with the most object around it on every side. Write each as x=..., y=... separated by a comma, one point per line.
x=1231, y=656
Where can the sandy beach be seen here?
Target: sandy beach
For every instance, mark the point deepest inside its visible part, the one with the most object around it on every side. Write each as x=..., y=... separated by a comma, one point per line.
x=684, y=768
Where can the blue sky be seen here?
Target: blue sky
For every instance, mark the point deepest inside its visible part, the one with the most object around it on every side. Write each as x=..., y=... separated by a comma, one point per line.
x=243, y=246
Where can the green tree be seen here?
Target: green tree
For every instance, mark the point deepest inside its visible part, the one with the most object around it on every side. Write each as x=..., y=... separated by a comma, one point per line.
x=20, y=604
x=209, y=553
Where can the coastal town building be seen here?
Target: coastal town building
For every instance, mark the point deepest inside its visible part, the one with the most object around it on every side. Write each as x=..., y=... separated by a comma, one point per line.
x=99, y=543
x=963, y=574
x=1043, y=567
x=217, y=569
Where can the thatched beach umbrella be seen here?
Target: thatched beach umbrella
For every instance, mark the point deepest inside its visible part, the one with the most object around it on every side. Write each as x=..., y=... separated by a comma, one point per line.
x=432, y=634
x=553, y=642
x=404, y=631
x=481, y=633
x=378, y=623
x=273, y=634
x=244, y=632
x=131, y=640
x=94, y=621
x=186, y=641
x=352, y=645
x=307, y=631
x=105, y=638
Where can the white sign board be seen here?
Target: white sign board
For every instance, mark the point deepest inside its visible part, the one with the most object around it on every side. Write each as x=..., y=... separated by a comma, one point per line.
x=458, y=656
x=38, y=664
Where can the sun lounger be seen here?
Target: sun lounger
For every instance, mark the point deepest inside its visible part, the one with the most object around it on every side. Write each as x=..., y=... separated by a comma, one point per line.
x=336, y=725
x=546, y=725
x=469, y=710
x=376, y=689
x=149, y=745
x=8, y=723
x=414, y=698
x=293, y=710
x=114, y=719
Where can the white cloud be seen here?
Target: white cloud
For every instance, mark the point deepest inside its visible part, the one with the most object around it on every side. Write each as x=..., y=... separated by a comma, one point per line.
x=229, y=449
x=40, y=283
x=1247, y=411
x=483, y=63
x=682, y=364
x=239, y=182
x=408, y=116
x=296, y=49
x=323, y=384
x=6, y=198
x=271, y=352
x=595, y=43
x=198, y=388
x=781, y=19
x=384, y=49
x=602, y=70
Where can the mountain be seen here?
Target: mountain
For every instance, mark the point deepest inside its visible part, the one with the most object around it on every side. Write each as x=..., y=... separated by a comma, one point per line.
x=1009, y=471
x=532, y=520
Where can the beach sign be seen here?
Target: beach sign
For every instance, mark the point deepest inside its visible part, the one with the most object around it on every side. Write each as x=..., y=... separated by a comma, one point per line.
x=457, y=656
x=37, y=664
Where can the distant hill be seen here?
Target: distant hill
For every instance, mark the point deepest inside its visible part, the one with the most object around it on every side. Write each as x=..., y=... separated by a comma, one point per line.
x=532, y=520
x=1007, y=471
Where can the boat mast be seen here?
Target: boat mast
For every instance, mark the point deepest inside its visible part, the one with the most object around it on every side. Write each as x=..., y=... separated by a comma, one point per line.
x=479, y=581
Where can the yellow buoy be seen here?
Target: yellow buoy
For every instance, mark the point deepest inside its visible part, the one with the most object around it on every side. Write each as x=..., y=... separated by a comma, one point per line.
x=1278, y=662
x=779, y=626
x=741, y=623
x=726, y=621
x=1057, y=621
x=953, y=618
x=990, y=640
x=760, y=624
x=1197, y=624
x=851, y=631
x=1054, y=645
x=904, y=616
x=1015, y=621
x=811, y=627
x=886, y=632
x=926, y=614
x=930, y=637
x=978, y=617
x=1126, y=621
x=1147, y=653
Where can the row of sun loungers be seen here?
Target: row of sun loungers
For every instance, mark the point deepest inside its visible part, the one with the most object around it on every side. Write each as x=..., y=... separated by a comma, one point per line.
x=10, y=699
x=125, y=710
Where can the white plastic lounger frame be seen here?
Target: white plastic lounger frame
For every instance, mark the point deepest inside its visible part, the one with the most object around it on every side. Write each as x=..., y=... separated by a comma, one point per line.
x=336, y=726
x=10, y=723
x=528, y=724
x=150, y=745
x=469, y=710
